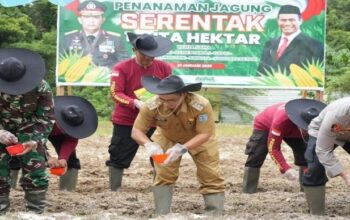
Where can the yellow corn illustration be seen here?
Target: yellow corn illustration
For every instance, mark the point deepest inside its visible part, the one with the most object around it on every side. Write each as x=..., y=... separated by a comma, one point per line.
x=301, y=76
x=316, y=72
x=63, y=66
x=92, y=75
x=283, y=79
x=77, y=70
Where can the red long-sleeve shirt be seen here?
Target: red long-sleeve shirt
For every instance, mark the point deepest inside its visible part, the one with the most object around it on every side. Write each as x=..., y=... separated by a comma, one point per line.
x=274, y=119
x=125, y=79
x=68, y=143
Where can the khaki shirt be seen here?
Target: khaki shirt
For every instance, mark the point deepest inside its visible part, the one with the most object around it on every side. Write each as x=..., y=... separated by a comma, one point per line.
x=195, y=116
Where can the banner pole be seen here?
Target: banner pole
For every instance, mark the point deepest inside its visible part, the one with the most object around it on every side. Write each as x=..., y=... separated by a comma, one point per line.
x=69, y=90
x=59, y=90
x=319, y=95
x=304, y=94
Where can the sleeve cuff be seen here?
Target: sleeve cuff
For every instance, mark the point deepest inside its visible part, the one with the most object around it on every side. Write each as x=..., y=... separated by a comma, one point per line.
x=334, y=170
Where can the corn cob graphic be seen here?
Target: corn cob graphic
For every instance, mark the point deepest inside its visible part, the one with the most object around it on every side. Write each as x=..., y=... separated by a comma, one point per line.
x=77, y=70
x=316, y=72
x=63, y=66
x=302, y=77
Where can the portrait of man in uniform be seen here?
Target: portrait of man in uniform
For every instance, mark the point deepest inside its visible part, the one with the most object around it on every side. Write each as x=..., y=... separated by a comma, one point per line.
x=106, y=48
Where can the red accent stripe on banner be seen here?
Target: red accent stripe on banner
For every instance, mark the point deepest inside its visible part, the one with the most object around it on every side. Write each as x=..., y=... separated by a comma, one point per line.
x=198, y=65
x=314, y=7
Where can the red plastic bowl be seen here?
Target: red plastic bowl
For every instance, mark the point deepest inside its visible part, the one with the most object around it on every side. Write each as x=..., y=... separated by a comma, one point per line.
x=15, y=149
x=159, y=158
x=58, y=171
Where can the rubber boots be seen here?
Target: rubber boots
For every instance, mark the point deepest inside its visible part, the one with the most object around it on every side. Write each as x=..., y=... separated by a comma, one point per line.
x=35, y=200
x=14, y=178
x=301, y=173
x=4, y=203
x=250, y=179
x=214, y=204
x=162, y=199
x=315, y=197
x=69, y=180
x=115, y=178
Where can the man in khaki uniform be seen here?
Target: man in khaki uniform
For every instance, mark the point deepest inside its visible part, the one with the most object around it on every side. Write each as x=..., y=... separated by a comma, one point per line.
x=185, y=123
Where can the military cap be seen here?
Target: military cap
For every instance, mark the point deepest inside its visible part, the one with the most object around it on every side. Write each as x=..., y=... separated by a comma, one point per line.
x=91, y=7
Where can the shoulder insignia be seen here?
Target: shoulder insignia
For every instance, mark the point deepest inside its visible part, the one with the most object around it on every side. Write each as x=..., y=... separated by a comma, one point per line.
x=197, y=105
x=153, y=104
x=197, y=102
x=113, y=33
x=71, y=32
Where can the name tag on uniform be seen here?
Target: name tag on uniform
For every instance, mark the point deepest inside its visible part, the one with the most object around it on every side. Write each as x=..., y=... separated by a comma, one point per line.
x=203, y=118
x=107, y=47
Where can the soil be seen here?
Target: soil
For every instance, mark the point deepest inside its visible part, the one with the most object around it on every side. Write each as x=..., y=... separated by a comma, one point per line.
x=277, y=198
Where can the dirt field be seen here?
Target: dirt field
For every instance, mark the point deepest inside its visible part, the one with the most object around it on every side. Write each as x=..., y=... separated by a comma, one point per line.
x=277, y=197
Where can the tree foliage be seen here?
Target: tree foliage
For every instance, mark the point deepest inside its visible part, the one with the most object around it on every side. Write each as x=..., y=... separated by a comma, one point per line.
x=338, y=47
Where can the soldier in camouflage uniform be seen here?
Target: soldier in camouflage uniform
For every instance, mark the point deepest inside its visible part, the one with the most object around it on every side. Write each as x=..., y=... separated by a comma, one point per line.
x=26, y=114
x=106, y=48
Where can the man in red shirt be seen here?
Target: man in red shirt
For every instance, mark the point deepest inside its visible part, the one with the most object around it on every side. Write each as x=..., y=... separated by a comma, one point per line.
x=76, y=118
x=271, y=127
x=125, y=80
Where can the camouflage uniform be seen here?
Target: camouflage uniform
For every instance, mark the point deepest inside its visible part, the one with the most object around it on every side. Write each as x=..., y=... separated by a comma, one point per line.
x=28, y=117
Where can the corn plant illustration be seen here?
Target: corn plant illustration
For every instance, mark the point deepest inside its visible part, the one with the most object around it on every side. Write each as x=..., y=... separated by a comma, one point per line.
x=74, y=67
x=307, y=75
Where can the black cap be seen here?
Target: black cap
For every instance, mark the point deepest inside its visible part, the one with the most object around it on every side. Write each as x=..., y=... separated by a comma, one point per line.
x=289, y=9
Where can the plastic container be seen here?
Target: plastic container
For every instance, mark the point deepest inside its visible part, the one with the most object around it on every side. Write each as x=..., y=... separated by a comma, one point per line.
x=58, y=171
x=15, y=149
x=159, y=158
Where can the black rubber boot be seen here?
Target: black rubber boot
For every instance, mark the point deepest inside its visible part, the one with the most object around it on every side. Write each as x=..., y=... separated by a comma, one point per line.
x=250, y=179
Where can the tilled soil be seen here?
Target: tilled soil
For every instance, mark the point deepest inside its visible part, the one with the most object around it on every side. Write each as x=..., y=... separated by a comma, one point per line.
x=277, y=198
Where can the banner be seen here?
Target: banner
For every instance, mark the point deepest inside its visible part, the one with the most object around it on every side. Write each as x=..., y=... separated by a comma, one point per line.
x=221, y=43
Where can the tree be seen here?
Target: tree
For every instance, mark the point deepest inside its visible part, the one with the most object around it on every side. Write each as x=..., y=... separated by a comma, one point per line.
x=15, y=26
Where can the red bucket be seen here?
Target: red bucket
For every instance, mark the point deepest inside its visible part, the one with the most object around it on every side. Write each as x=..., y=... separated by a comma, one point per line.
x=15, y=149
x=58, y=171
x=159, y=158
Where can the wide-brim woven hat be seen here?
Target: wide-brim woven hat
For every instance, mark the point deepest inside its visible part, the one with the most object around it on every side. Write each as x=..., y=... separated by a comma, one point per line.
x=149, y=45
x=76, y=116
x=302, y=111
x=169, y=85
x=21, y=70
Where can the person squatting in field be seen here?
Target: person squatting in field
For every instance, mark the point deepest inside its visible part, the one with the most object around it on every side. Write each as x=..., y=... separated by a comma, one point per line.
x=26, y=114
x=272, y=126
x=185, y=123
x=330, y=129
x=75, y=118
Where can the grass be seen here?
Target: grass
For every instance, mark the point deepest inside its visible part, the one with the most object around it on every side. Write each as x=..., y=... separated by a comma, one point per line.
x=105, y=128
x=233, y=130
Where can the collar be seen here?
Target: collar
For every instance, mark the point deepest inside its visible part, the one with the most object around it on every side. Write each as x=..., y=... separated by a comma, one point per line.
x=143, y=67
x=94, y=34
x=291, y=37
